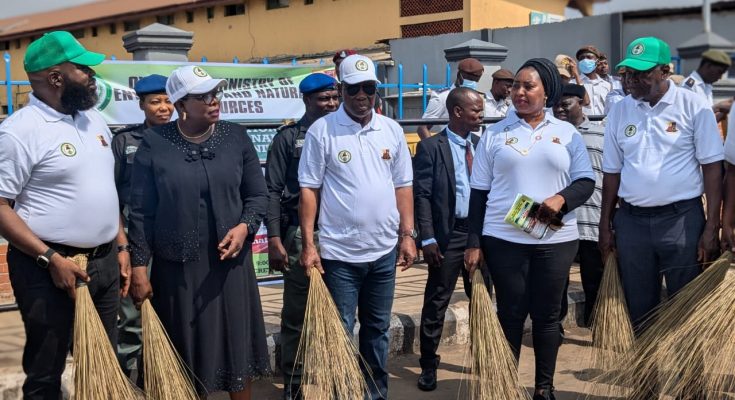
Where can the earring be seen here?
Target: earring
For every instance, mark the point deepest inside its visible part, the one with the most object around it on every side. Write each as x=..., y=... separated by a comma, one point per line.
x=183, y=116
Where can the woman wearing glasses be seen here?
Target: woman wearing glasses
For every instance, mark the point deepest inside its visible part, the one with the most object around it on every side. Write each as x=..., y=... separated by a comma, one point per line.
x=198, y=197
x=529, y=153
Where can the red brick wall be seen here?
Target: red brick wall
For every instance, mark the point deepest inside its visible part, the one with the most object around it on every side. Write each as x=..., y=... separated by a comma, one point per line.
x=6, y=292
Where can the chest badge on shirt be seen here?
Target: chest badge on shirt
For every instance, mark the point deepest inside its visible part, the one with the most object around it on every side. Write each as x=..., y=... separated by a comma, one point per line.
x=630, y=130
x=690, y=82
x=344, y=156
x=511, y=141
x=102, y=140
x=556, y=140
x=68, y=149
x=386, y=154
x=671, y=128
x=300, y=143
x=130, y=149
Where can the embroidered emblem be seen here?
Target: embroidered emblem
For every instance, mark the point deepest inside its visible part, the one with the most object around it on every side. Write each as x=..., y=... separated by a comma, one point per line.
x=130, y=149
x=68, y=149
x=299, y=143
x=638, y=49
x=630, y=130
x=556, y=140
x=690, y=82
x=510, y=141
x=102, y=140
x=672, y=127
x=199, y=72
x=386, y=154
x=361, y=65
x=344, y=156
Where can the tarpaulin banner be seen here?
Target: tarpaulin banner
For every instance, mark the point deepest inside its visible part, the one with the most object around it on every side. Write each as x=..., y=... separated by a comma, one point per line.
x=254, y=92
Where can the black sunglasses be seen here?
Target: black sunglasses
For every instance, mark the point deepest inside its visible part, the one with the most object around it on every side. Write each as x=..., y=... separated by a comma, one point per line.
x=207, y=98
x=367, y=88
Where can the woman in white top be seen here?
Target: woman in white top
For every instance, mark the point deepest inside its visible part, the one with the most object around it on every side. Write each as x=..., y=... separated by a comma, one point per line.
x=529, y=153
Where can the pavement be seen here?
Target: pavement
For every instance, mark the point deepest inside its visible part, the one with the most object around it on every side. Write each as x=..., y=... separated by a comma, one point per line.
x=403, y=360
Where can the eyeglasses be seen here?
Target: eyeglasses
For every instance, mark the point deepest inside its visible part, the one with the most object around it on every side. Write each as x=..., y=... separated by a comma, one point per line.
x=207, y=98
x=367, y=88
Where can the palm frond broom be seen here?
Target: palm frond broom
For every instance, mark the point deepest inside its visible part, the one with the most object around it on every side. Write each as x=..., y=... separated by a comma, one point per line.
x=331, y=369
x=165, y=374
x=687, y=349
x=97, y=373
x=494, y=373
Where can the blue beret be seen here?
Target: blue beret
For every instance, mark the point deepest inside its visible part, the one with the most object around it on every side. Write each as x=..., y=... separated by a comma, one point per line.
x=317, y=82
x=150, y=84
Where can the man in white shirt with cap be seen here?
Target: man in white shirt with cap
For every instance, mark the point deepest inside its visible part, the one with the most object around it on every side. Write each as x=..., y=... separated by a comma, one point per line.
x=356, y=165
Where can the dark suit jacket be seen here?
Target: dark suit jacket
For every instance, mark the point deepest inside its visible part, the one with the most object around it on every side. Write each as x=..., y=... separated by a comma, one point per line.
x=434, y=188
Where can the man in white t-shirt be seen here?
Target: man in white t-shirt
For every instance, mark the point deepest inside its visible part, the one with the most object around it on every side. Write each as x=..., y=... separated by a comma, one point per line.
x=57, y=166
x=355, y=165
x=596, y=87
x=662, y=151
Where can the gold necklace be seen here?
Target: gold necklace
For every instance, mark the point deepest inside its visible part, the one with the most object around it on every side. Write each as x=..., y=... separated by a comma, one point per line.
x=524, y=152
x=205, y=133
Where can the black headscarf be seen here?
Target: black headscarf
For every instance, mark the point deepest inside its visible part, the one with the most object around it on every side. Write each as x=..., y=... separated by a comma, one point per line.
x=550, y=78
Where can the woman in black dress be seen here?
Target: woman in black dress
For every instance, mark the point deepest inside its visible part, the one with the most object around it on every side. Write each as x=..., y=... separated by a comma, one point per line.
x=197, y=199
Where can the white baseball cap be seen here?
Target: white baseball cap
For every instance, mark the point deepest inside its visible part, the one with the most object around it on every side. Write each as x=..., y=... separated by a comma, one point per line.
x=190, y=79
x=356, y=68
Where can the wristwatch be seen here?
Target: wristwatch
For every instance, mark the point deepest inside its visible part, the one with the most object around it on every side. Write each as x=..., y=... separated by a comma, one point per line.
x=123, y=247
x=413, y=233
x=44, y=259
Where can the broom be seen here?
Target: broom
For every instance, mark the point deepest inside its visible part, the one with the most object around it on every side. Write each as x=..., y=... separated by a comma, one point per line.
x=494, y=367
x=97, y=373
x=612, y=331
x=331, y=370
x=165, y=375
x=670, y=356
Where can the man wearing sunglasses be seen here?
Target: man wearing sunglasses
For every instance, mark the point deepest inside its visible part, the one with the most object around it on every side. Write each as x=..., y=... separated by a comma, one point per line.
x=662, y=150
x=358, y=164
x=282, y=219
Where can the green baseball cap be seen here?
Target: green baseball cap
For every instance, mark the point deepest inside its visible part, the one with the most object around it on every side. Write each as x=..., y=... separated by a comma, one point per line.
x=645, y=53
x=56, y=48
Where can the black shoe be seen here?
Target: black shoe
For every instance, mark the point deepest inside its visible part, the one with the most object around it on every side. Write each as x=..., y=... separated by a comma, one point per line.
x=547, y=394
x=292, y=392
x=427, y=380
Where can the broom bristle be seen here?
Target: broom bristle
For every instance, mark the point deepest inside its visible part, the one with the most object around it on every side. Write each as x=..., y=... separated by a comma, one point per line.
x=166, y=376
x=331, y=369
x=684, y=340
x=97, y=373
x=494, y=373
x=612, y=331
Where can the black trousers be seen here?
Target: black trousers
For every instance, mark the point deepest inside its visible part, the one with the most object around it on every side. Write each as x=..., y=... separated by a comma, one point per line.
x=48, y=317
x=591, y=268
x=530, y=279
x=440, y=285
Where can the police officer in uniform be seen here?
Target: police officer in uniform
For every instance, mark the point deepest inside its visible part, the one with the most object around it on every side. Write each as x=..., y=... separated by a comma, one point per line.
x=157, y=108
x=714, y=64
x=497, y=102
x=282, y=219
x=57, y=167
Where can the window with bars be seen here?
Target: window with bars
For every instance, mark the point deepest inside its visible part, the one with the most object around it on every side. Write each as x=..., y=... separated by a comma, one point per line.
x=190, y=16
x=165, y=19
x=432, y=28
x=234, y=9
x=131, y=25
x=78, y=33
x=113, y=28
x=422, y=7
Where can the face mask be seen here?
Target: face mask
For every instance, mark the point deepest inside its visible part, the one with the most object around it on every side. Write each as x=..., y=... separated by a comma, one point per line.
x=587, y=66
x=469, y=84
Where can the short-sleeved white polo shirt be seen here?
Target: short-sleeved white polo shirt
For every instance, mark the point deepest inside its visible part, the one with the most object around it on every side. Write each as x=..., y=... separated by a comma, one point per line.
x=59, y=170
x=658, y=150
x=512, y=158
x=357, y=169
x=496, y=108
x=597, y=90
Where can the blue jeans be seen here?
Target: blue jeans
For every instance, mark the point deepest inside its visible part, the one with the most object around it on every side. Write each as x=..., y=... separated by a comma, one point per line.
x=368, y=286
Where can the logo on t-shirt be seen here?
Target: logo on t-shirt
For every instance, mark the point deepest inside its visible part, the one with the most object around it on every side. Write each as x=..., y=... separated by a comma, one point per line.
x=556, y=140
x=386, y=154
x=671, y=128
x=344, y=156
x=510, y=141
x=630, y=130
x=102, y=140
x=690, y=82
x=68, y=149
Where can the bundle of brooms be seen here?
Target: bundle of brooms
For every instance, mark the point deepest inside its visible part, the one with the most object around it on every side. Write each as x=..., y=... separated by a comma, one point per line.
x=494, y=373
x=331, y=370
x=688, y=349
x=165, y=376
x=97, y=373
x=612, y=331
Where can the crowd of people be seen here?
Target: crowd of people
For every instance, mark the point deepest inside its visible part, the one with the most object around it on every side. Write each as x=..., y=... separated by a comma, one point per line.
x=166, y=210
